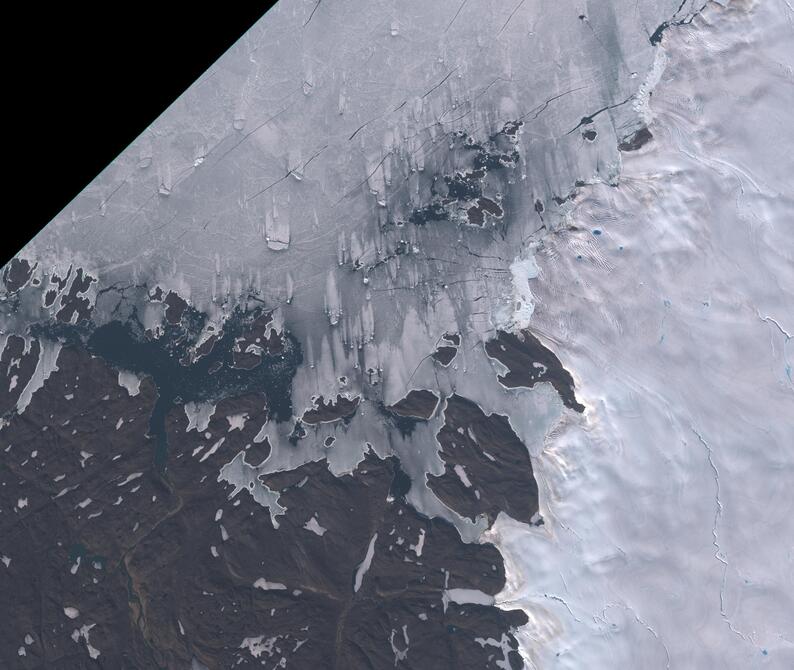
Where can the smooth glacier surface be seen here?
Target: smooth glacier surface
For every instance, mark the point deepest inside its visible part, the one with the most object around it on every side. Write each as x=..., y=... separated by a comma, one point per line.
x=670, y=515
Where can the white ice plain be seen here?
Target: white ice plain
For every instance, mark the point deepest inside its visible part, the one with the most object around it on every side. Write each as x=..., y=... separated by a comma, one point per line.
x=669, y=534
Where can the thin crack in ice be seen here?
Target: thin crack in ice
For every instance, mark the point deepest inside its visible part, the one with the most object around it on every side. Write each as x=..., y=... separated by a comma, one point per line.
x=719, y=554
x=769, y=319
x=639, y=620
x=558, y=599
